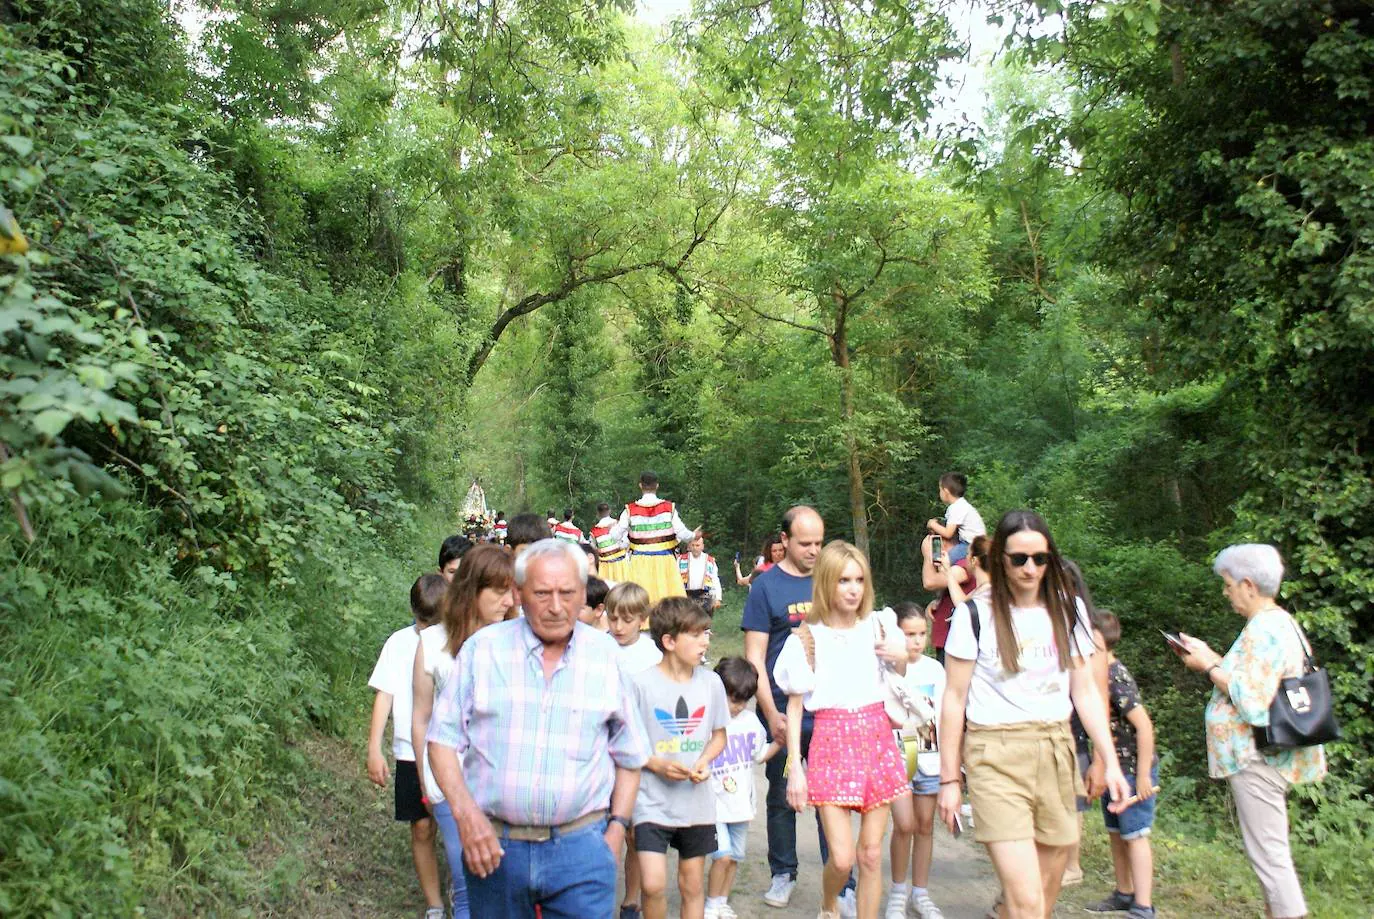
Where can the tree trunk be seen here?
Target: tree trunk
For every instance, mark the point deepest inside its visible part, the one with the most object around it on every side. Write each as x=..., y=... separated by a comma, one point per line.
x=858, y=506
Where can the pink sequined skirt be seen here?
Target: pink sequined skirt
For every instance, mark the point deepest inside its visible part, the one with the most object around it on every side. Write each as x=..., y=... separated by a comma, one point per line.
x=853, y=761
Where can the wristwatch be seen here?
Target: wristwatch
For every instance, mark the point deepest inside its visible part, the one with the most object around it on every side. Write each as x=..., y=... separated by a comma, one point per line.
x=616, y=818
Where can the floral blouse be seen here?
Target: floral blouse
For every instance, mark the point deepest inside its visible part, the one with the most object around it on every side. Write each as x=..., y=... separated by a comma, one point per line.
x=1267, y=650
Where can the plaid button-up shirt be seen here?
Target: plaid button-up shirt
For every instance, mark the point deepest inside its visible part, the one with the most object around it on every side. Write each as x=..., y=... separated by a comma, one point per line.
x=536, y=751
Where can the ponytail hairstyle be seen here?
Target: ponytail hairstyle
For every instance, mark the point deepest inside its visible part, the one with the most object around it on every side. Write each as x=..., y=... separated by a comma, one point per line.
x=1056, y=592
x=487, y=565
x=830, y=564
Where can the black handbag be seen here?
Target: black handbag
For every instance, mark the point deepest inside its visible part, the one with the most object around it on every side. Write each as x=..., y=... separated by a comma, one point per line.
x=1301, y=714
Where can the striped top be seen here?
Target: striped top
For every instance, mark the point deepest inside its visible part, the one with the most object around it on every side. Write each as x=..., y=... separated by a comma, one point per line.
x=652, y=526
x=567, y=531
x=608, y=547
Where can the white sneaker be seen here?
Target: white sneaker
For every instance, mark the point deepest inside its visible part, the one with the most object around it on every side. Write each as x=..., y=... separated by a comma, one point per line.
x=726, y=911
x=896, y=905
x=712, y=912
x=923, y=907
x=780, y=893
x=849, y=905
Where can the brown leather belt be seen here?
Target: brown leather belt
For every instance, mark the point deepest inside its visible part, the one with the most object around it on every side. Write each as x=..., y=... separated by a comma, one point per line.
x=544, y=833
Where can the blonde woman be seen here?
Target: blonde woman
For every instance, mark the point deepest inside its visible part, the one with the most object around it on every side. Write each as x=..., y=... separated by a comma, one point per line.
x=832, y=668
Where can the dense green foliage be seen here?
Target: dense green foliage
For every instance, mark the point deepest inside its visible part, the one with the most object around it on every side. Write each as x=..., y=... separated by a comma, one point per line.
x=296, y=277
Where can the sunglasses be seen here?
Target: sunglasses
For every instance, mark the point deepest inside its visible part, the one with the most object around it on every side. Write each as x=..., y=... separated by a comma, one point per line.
x=1019, y=559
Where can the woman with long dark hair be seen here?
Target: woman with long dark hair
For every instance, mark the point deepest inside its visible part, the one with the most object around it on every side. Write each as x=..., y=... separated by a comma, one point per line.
x=481, y=594
x=1013, y=676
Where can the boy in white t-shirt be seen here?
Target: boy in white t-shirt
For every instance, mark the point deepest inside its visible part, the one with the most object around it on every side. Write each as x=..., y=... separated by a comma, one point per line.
x=913, y=819
x=392, y=680
x=627, y=609
x=962, y=523
x=732, y=779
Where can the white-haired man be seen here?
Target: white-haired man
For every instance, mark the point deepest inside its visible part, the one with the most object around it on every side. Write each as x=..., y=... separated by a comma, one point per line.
x=530, y=741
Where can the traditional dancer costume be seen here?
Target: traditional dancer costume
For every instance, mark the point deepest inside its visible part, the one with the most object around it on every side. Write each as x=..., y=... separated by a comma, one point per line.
x=700, y=579
x=611, y=552
x=500, y=530
x=653, y=529
x=567, y=531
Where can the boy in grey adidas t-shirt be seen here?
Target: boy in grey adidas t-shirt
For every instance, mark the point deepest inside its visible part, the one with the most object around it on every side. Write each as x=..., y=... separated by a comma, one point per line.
x=685, y=711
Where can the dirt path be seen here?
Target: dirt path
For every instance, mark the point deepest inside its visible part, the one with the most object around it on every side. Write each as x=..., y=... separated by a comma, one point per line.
x=344, y=856
x=961, y=879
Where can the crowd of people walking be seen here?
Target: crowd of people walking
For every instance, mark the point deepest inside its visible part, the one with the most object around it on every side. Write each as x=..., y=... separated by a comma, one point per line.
x=555, y=718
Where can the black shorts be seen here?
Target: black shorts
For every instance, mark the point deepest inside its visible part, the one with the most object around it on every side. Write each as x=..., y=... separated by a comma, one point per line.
x=410, y=805
x=690, y=841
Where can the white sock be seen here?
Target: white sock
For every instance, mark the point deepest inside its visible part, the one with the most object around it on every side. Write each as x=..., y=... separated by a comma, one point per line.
x=715, y=901
x=919, y=892
x=899, y=889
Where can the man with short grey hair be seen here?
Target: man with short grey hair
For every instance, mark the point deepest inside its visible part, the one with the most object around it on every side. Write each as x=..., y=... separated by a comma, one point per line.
x=530, y=741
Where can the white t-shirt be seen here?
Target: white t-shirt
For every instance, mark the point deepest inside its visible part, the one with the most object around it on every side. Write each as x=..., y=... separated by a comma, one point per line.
x=1040, y=691
x=846, y=660
x=439, y=666
x=637, y=656
x=925, y=677
x=732, y=773
x=967, y=519
x=393, y=673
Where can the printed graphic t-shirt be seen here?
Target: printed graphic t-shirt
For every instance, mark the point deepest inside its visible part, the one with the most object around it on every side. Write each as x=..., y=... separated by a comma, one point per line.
x=777, y=603
x=1125, y=695
x=1040, y=690
x=926, y=678
x=732, y=773
x=679, y=718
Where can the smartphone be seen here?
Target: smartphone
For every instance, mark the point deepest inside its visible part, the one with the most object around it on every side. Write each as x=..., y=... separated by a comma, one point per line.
x=1175, y=642
x=958, y=825
x=937, y=548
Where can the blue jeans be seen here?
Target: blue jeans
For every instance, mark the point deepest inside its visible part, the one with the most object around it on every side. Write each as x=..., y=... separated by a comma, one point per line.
x=568, y=877
x=453, y=852
x=782, y=820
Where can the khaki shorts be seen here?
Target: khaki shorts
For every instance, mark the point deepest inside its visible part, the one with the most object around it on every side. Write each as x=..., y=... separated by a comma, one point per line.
x=1022, y=781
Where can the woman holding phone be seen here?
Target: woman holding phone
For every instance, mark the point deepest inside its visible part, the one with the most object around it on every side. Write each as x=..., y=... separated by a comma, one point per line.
x=1013, y=677
x=1244, y=683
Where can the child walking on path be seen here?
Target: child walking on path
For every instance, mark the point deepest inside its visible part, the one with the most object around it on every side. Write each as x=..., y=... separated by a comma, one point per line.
x=913, y=818
x=833, y=667
x=732, y=780
x=627, y=609
x=685, y=712
x=1133, y=735
x=392, y=680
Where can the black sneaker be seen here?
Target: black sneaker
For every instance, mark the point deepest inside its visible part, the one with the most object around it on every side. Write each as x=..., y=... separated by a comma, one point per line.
x=1140, y=912
x=1118, y=902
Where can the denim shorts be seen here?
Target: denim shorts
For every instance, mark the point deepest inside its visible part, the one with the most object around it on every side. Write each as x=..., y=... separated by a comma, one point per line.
x=922, y=784
x=732, y=840
x=1137, y=820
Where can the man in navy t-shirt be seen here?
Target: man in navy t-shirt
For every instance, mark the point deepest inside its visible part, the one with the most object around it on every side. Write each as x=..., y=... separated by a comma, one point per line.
x=778, y=601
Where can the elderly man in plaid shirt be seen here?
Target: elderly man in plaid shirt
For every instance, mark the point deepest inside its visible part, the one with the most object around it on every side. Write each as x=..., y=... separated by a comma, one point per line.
x=537, y=745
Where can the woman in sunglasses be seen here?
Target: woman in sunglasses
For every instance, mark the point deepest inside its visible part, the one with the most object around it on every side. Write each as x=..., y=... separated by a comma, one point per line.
x=1013, y=677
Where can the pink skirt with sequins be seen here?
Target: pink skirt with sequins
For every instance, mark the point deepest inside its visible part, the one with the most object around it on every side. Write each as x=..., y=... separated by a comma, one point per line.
x=854, y=761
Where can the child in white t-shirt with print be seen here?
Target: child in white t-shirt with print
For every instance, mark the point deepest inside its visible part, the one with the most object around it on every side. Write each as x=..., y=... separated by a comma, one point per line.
x=732, y=779
x=913, y=819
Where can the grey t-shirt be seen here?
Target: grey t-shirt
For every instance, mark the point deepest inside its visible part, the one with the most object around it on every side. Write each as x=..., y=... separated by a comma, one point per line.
x=679, y=718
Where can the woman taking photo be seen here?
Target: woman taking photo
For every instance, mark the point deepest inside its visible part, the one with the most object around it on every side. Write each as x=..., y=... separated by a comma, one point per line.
x=480, y=595
x=1244, y=683
x=832, y=667
x=772, y=552
x=1013, y=677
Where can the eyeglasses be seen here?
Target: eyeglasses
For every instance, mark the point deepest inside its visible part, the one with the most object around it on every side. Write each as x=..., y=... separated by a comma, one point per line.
x=1019, y=559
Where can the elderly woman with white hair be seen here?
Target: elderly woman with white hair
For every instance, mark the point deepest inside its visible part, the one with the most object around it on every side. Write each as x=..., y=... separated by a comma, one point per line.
x=1270, y=647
